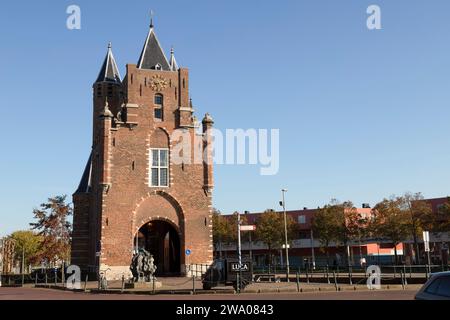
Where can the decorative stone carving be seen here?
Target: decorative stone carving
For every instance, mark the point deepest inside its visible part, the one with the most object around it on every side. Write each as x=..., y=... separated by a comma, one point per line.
x=158, y=83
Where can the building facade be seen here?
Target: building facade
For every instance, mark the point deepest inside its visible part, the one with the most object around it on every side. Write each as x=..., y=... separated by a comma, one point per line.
x=133, y=193
x=306, y=249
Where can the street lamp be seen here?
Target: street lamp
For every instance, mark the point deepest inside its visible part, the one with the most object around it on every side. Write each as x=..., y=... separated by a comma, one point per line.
x=250, y=246
x=283, y=191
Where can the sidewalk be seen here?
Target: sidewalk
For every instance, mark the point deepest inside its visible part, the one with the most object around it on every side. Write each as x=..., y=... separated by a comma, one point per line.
x=186, y=286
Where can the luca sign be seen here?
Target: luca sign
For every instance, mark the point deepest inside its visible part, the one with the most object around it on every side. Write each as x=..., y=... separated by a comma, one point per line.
x=244, y=267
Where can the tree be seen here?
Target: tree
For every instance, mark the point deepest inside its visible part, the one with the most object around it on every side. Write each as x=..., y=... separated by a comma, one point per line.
x=53, y=225
x=270, y=230
x=27, y=243
x=441, y=220
x=421, y=216
x=225, y=228
x=390, y=221
x=325, y=224
x=221, y=230
x=349, y=224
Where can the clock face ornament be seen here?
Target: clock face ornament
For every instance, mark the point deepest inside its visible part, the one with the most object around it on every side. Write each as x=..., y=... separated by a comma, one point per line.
x=158, y=83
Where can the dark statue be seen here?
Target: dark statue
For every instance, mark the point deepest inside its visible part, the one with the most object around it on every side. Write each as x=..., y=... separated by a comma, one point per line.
x=142, y=266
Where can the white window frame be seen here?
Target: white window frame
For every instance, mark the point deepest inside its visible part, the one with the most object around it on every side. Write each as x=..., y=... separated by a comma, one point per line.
x=159, y=167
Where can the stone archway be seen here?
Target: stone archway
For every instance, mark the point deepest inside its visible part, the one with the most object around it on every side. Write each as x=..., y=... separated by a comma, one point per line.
x=162, y=240
x=158, y=227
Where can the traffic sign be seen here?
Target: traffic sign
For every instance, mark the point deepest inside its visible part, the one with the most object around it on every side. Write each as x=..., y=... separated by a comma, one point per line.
x=188, y=252
x=248, y=228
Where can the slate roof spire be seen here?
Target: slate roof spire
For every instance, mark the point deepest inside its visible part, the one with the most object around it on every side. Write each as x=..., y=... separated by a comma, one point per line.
x=173, y=61
x=109, y=71
x=152, y=55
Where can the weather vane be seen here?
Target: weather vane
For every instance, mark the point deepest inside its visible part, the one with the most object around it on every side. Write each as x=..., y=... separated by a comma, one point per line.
x=151, y=18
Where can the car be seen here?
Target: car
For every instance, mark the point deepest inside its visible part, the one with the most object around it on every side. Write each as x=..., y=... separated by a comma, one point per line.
x=436, y=288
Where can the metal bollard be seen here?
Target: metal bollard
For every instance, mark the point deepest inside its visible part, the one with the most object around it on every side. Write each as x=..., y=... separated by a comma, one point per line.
x=328, y=275
x=401, y=276
x=307, y=275
x=123, y=283
x=193, y=284
x=63, y=275
x=46, y=280
x=298, y=282
x=335, y=281
x=153, y=281
x=36, y=280
x=85, y=283
x=350, y=275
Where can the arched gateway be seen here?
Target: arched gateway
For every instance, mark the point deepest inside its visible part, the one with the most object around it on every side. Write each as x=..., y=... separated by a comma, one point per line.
x=162, y=240
x=134, y=193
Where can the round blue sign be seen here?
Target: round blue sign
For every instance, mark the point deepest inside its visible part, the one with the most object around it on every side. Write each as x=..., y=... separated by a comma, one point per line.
x=188, y=252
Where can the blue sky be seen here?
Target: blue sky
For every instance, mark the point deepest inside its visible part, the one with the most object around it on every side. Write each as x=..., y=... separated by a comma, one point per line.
x=362, y=114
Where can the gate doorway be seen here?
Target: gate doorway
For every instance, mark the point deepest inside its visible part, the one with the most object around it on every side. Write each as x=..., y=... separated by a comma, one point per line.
x=162, y=240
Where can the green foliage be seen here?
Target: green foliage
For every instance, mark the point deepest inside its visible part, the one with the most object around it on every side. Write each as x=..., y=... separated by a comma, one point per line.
x=29, y=243
x=270, y=229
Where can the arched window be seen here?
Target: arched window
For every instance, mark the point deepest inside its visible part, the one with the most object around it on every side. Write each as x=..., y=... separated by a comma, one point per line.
x=159, y=106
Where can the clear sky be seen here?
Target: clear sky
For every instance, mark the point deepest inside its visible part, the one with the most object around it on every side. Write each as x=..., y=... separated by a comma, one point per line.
x=362, y=114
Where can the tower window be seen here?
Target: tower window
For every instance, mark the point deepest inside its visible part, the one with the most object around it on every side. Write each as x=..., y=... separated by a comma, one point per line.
x=158, y=67
x=159, y=104
x=110, y=91
x=99, y=90
x=159, y=168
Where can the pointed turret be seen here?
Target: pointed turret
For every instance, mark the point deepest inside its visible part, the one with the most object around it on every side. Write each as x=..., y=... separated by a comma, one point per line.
x=152, y=56
x=173, y=62
x=109, y=71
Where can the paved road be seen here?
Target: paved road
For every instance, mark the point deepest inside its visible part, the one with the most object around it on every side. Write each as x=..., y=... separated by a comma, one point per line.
x=48, y=294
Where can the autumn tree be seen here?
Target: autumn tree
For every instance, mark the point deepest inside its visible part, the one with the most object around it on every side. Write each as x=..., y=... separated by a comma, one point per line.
x=225, y=228
x=221, y=230
x=391, y=221
x=325, y=225
x=441, y=219
x=53, y=226
x=421, y=216
x=27, y=246
x=270, y=230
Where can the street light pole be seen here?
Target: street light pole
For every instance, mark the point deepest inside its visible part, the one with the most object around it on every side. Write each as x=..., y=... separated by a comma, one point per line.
x=239, y=253
x=250, y=246
x=312, y=250
x=283, y=191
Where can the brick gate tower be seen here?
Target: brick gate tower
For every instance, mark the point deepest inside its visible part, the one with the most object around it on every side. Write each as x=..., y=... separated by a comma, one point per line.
x=133, y=194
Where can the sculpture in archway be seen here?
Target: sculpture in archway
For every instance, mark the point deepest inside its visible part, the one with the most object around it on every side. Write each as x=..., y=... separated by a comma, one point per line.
x=142, y=266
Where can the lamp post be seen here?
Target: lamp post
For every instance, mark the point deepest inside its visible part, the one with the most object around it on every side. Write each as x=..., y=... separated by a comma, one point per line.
x=283, y=191
x=312, y=251
x=250, y=246
x=239, y=252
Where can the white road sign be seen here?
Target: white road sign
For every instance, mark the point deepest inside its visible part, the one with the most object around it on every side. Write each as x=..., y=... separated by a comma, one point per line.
x=248, y=228
x=426, y=241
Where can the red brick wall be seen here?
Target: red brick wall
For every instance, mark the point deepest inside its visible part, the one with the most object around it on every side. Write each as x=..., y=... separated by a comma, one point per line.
x=115, y=215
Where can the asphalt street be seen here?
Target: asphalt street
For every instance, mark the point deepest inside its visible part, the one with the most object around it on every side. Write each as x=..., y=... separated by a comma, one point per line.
x=49, y=294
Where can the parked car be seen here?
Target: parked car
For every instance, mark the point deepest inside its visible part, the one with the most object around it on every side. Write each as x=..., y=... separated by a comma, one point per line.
x=436, y=288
